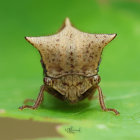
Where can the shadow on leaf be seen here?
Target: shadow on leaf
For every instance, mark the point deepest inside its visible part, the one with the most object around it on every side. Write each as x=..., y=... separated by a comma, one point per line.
x=52, y=103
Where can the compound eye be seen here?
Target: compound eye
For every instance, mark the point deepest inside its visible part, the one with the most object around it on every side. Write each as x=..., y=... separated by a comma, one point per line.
x=48, y=81
x=95, y=79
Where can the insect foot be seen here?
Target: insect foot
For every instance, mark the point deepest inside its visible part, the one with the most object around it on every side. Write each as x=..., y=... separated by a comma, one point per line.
x=102, y=104
x=38, y=100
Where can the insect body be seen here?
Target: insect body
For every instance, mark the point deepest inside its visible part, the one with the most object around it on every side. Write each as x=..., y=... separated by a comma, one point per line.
x=70, y=61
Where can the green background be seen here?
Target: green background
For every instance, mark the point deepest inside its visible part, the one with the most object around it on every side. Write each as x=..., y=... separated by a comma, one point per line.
x=21, y=71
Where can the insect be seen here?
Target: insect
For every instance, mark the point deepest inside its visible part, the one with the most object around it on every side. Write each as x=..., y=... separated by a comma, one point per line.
x=70, y=61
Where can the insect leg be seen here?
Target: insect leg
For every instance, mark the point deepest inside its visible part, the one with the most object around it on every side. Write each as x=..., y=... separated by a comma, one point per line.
x=102, y=104
x=38, y=100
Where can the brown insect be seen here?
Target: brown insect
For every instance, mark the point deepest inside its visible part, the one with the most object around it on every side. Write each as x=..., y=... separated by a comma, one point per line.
x=70, y=61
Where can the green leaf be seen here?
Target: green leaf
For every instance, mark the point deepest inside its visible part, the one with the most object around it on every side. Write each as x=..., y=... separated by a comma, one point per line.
x=87, y=115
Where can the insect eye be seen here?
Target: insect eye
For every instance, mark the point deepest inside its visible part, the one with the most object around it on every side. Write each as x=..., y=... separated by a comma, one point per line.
x=95, y=79
x=48, y=81
x=98, y=79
